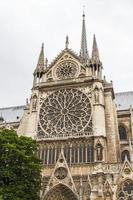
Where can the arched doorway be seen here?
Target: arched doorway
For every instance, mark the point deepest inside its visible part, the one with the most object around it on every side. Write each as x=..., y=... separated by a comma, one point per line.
x=60, y=192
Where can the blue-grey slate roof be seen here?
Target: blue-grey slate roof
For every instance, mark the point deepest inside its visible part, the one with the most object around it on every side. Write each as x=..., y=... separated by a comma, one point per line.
x=124, y=100
x=12, y=114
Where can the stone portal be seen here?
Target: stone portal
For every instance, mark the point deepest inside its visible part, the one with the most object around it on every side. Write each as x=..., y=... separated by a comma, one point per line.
x=60, y=192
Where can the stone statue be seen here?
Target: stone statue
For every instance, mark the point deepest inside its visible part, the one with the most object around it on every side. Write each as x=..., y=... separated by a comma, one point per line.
x=96, y=95
x=34, y=103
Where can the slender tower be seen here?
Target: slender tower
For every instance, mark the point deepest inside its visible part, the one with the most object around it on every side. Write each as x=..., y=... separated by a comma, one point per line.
x=83, y=50
x=40, y=67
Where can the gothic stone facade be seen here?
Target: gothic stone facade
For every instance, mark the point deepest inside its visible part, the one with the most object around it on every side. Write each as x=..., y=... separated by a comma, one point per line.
x=73, y=116
x=85, y=140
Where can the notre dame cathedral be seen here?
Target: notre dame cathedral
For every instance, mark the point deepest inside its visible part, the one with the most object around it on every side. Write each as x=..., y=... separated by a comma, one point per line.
x=84, y=129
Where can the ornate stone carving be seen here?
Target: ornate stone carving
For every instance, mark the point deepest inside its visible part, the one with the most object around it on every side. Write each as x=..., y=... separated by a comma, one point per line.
x=99, y=152
x=96, y=95
x=61, y=173
x=64, y=113
x=34, y=102
x=125, y=191
x=66, y=69
x=107, y=190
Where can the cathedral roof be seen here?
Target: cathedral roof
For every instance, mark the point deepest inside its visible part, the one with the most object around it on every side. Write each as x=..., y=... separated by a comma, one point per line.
x=70, y=51
x=12, y=114
x=124, y=100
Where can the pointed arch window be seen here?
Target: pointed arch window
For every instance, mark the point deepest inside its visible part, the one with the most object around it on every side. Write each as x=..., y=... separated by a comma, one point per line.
x=72, y=154
x=76, y=154
x=80, y=153
x=50, y=156
x=84, y=153
x=90, y=153
x=53, y=155
x=125, y=154
x=122, y=133
x=46, y=152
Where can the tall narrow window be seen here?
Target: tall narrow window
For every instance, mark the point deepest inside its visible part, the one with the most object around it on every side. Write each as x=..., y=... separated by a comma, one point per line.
x=53, y=155
x=122, y=133
x=80, y=153
x=65, y=152
x=68, y=154
x=45, y=159
x=72, y=155
x=58, y=153
x=92, y=153
x=84, y=153
x=125, y=154
x=50, y=156
x=88, y=153
x=76, y=154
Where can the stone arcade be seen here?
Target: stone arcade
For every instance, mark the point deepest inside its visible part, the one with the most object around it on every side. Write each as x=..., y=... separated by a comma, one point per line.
x=86, y=141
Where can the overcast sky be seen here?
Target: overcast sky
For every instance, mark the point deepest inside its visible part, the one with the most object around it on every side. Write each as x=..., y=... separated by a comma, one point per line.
x=25, y=24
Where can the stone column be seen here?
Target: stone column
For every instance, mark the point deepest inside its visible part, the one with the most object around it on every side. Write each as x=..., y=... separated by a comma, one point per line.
x=99, y=112
x=131, y=136
x=110, y=127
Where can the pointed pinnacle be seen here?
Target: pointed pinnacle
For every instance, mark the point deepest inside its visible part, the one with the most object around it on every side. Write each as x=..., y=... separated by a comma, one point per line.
x=46, y=63
x=83, y=50
x=83, y=15
x=40, y=64
x=67, y=42
x=95, y=52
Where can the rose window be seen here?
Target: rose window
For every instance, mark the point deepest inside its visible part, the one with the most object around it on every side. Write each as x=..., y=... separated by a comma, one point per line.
x=125, y=191
x=66, y=70
x=64, y=113
x=61, y=173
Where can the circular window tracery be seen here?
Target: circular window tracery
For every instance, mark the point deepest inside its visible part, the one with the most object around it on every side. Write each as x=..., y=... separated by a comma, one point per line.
x=66, y=70
x=65, y=112
x=61, y=173
x=125, y=191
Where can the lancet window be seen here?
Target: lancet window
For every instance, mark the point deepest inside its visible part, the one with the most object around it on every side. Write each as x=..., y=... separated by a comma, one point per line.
x=74, y=153
x=125, y=154
x=122, y=133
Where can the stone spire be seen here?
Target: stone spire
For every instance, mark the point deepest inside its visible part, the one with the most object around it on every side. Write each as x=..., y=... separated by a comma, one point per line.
x=40, y=67
x=83, y=51
x=95, y=52
x=40, y=64
x=95, y=62
x=67, y=42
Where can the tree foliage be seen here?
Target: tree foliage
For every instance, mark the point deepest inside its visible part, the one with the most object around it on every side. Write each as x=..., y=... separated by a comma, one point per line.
x=20, y=169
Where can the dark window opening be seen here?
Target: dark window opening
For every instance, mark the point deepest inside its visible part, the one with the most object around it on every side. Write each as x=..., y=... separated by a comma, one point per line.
x=122, y=133
x=125, y=154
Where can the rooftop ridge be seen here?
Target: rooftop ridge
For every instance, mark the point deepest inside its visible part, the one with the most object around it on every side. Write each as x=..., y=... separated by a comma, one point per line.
x=17, y=107
x=121, y=93
x=60, y=54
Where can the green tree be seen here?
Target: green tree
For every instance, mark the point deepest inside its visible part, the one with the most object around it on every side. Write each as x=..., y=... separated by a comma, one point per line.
x=20, y=169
